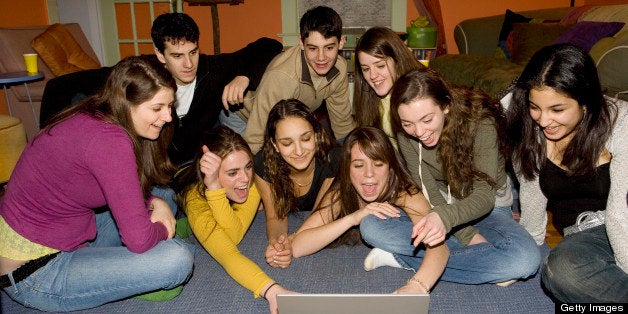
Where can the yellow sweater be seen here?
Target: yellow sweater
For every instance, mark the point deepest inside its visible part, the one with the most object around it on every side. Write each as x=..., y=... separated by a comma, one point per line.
x=220, y=226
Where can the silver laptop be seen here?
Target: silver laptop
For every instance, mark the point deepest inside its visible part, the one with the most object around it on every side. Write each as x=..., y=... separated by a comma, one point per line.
x=353, y=303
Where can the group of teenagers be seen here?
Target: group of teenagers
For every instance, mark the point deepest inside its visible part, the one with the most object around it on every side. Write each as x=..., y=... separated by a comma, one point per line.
x=415, y=168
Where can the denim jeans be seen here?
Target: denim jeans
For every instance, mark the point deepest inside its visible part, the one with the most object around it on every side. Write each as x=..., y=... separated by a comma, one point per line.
x=510, y=252
x=233, y=121
x=167, y=194
x=582, y=268
x=104, y=272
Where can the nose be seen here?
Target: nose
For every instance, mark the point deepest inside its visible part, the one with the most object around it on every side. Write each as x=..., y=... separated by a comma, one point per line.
x=373, y=74
x=418, y=132
x=298, y=149
x=166, y=115
x=245, y=177
x=368, y=171
x=321, y=55
x=543, y=119
x=187, y=62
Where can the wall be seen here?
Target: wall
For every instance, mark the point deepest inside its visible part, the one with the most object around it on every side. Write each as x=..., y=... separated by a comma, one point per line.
x=26, y=13
x=246, y=22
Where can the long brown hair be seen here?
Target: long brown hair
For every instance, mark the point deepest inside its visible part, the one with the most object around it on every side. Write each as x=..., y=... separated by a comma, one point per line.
x=375, y=145
x=221, y=141
x=467, y=107
x=133, y=81
x=277, y=168
x=380, y=42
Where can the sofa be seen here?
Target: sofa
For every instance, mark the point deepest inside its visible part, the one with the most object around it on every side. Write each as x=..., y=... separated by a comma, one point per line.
x=481, y=42
x=337, y=270
x=16, y=41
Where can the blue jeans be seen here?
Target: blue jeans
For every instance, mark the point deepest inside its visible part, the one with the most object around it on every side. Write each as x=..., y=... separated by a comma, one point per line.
x=510, y=252
x=104, y=272
x=582, y=268
x=167, y=194
x=233, y=121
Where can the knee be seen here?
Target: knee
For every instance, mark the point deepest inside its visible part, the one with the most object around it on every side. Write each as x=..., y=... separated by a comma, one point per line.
x=370, y=229
x=524, y=259
x=177, y=261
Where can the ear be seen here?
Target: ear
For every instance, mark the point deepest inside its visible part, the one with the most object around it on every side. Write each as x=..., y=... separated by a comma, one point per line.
x=159, y=55
x=301, y=45
x=342, y=42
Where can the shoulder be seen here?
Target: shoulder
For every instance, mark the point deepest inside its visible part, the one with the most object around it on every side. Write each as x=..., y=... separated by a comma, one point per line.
x=618, y=141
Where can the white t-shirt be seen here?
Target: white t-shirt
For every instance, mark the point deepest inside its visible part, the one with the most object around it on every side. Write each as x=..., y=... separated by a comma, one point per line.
x=185, y=93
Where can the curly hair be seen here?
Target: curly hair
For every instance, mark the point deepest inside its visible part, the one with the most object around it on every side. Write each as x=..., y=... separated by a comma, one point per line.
x=568, y=70
x=467, y=108
x=173, y=28
x=277, y=168
x=133, y=81
x=383, y=43
x=376, y=146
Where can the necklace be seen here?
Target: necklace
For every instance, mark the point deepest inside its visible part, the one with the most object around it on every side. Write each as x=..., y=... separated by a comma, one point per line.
x=310, y=177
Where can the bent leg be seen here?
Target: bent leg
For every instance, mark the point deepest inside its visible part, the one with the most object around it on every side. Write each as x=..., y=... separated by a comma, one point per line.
x=510, y=252
x=582, y=268
x=92, y=276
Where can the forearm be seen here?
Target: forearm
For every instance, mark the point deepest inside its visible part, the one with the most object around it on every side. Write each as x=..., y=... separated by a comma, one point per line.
x=311, y=240
x=244, y=271
x=433, y=265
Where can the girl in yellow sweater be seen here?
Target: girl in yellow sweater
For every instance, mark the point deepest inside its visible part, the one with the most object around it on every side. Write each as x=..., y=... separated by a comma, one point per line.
x=220, y=201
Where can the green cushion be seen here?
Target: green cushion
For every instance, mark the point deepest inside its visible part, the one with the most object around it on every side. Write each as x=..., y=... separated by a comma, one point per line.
x=528, y=38
x=161, y=295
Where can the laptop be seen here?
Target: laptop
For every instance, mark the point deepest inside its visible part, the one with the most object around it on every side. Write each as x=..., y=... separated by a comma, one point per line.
x=353, y=303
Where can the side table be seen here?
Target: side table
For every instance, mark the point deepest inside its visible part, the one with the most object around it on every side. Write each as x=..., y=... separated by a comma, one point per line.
x=10, y=78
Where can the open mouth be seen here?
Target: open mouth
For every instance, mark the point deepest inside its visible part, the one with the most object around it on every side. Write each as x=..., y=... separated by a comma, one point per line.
x=369, y=189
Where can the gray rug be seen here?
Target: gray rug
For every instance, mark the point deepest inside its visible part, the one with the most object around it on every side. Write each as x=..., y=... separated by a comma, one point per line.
x=339, y=270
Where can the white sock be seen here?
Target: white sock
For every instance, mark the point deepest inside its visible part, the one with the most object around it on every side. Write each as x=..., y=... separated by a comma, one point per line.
x=378, y=257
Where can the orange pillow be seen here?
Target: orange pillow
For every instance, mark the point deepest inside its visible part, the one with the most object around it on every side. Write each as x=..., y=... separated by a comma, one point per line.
x=60, y=51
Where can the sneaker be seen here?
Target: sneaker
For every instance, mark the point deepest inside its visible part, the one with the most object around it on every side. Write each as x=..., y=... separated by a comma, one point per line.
x=378, y=257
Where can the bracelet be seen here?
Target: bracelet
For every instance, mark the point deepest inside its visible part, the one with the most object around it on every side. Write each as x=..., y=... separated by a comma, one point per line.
x=420, y=283
x=265, y=292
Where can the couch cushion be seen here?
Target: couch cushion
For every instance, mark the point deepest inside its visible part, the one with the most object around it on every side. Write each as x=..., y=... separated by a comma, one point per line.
x=61, y=52
x=504, y=45
x=585, y=34
x=528, y=38
x=611, y=64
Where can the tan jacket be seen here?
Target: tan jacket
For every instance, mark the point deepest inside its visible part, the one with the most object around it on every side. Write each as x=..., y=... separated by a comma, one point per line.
x=288, y=76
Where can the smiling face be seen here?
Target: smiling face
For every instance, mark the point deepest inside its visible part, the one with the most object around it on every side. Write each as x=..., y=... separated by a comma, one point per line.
x=320, y=52
x=181, y=59
x=369, y=177
x=150, y=116
x=557, y=114
x=235, y=175
x=423, y=119
x=379, y=73
x=295, y=141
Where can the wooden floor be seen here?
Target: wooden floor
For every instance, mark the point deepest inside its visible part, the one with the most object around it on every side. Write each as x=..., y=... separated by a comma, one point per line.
x=552, y=236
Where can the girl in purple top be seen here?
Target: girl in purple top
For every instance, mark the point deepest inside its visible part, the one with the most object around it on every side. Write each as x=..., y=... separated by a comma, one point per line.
x=57, y=252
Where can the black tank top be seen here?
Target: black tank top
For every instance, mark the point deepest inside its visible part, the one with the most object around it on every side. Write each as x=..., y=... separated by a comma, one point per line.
x=568, y=196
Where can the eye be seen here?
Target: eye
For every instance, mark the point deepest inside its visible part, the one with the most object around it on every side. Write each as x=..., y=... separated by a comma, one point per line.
x=428, y=120
x=194, y=52
x=306, y=138
x=358, y=165
x=379, y=164
x=364, y=70
x=232, y=173
x=406, y=124
x=249, y=165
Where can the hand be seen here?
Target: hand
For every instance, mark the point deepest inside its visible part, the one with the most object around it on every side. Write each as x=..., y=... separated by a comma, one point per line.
x=160, y=212
x=379, y=210
x=271, y=296
x=429, y=230
x=477, y=239
x=410, y=287
x=233, y=93
x=210, y=165
x=279, y=253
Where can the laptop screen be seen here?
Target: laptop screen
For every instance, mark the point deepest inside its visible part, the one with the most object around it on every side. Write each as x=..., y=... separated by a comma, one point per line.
x=353, y=303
